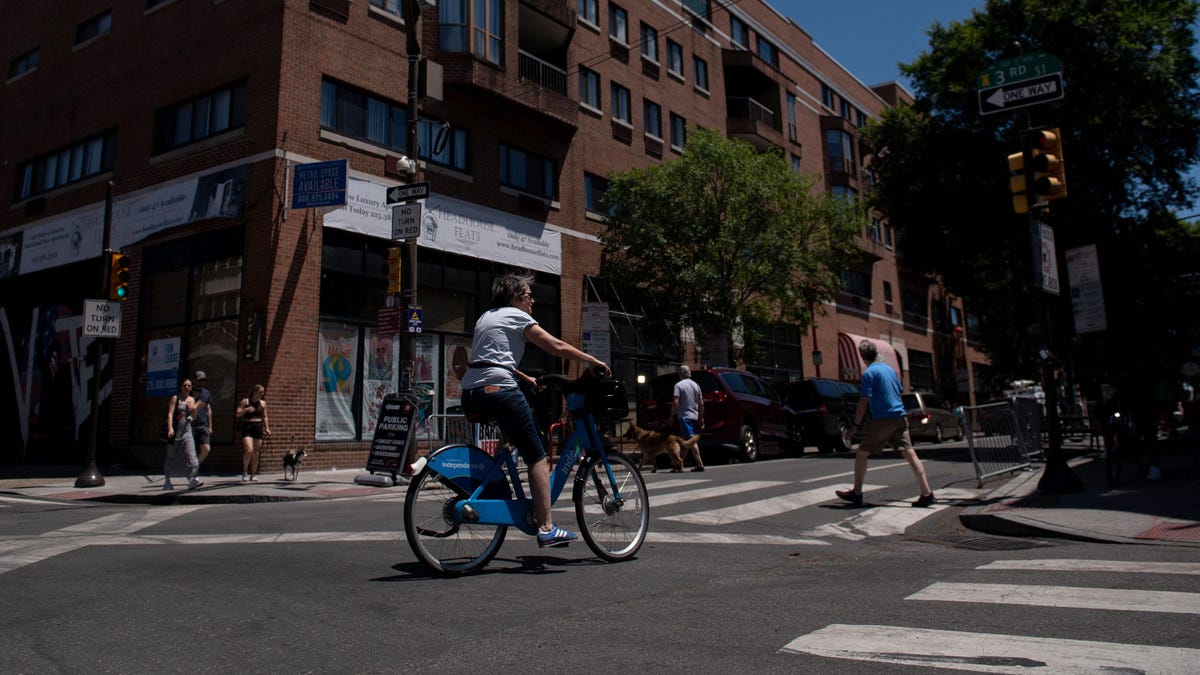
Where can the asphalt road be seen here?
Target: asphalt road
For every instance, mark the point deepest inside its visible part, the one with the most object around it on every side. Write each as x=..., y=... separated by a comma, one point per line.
x=749, y=568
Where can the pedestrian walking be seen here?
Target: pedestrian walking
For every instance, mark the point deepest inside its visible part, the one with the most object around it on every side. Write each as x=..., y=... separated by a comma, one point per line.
x=888, y=426
x=203, y=423
x=688, y=406
x=252, y=413
x=181, y=446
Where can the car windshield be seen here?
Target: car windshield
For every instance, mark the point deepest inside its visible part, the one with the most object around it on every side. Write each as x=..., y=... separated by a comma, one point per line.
x=829, y=389
x=707, y=381
x=910, y=401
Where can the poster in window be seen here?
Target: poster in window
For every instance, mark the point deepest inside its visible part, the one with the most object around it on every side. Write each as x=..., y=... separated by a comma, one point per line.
x=458, y=354
x=337, y=353
x=379, y=376
x=427, y=382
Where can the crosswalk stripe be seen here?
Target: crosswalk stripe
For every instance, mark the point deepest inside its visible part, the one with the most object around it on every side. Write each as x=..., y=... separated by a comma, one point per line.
x=891, y=518
x=988, y=653
x=1072, y=565
x=1171, y=602
x=716, y=491
x=127, y=522
x=771, y=506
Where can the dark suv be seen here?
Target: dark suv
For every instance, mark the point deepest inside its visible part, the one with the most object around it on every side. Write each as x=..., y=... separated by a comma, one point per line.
x=740, y=411
x=928, y=417
x=822, y=411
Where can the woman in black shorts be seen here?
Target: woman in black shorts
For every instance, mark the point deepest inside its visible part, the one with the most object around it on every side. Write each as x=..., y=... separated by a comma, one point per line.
x=252, y=411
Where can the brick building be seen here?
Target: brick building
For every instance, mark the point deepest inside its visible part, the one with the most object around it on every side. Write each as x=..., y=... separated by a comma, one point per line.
x=198, y=112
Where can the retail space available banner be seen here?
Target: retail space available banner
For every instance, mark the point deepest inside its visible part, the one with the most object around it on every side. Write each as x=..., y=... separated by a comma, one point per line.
x=162, y=367
x=78, y=235
x=455, y=226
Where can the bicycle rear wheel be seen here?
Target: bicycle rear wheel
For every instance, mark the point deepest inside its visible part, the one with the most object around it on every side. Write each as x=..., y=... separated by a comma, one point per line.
x=613, y=527
x=444, y=546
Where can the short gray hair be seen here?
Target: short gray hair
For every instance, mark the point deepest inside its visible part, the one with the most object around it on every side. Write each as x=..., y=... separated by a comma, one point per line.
x=685, y=372
x=868, y=351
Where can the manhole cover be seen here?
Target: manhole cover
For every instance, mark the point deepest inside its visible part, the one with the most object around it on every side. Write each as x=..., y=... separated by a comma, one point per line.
x=975, y=542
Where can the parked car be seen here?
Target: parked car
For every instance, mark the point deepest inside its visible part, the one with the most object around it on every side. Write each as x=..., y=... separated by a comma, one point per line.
x=822, y=411
x=928, y=417
x=743, y=414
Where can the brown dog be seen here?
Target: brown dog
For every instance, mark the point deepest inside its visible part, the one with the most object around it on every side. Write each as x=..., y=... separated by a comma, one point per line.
x=654, y=443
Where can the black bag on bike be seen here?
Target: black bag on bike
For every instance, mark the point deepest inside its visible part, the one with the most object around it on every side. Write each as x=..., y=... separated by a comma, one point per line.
x=608, y=400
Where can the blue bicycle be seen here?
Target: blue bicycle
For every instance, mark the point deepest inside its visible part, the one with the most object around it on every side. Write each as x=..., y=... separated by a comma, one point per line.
x=460, y=505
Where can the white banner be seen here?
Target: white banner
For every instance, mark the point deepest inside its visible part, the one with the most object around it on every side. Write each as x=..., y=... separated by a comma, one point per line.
x=597, y=339
x=455, y=226
x=1087, y=291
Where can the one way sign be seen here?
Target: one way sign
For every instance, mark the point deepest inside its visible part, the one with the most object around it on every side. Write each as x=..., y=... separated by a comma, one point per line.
x=404, y=193
x=1021, y=94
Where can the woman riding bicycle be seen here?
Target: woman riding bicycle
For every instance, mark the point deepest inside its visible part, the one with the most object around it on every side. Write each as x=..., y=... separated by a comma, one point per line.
x=491, y=390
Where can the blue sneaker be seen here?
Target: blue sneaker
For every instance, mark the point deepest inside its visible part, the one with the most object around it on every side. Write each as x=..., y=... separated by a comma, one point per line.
x=555, y=537
x=167, y=485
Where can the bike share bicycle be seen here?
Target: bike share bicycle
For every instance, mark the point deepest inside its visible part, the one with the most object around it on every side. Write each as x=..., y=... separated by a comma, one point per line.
x=461, y=503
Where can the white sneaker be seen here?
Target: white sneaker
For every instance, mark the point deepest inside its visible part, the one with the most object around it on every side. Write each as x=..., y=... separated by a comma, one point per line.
x=1153, y=474
x=245, y=478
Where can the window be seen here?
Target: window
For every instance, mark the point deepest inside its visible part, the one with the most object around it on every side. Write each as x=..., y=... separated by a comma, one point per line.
x=768, y=52
x=887, y=236
x=856, y=283
x=389, y=6
x=200, y=118
x=618, y=24
x=840, y=146
x=827, y=96
x=700, y=7
x=678, y=132
x=860, y=119
x=650, y=43
x=73, y=163
x=915, y=303
x=796, y=163
x=482, y=19
x=887, y=292
x=526, y=172
x=350, y=112
x=589, y=88
x=847, y=110
x=589, y=11
x=620, y=104
x=23, y=63
x=674, y=58
x=93, y=27
x=739, y=32
x=700, y=72
x=875, y=230
x=955, y=316
x=847, y=193
x=594, y=188
x=791, y=116
x=652, y=118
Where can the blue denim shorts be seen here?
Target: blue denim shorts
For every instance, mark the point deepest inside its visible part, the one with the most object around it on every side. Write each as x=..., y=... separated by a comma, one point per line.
x=510, y=409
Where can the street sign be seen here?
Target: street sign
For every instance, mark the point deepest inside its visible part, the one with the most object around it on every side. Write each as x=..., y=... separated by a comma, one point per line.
x=404, y=193
x=320, y=184
x=1046, y=258
x=1027, y=93
x=414, y=319
x=102, y=318
x=406, y=221
x=1019, y=69
x=388, y=322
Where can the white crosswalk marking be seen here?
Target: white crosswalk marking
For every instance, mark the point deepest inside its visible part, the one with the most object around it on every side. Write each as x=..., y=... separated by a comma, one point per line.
x=1069, y=565
x=714, y=491
x=986, y=653
x=771, y=506
x=1171, y=602
x=891, y=518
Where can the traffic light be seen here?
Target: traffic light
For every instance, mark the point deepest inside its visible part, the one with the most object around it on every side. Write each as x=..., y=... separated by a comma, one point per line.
x=393, y=270
x=1046, y=162
x=118, y=276
x=1020, y=192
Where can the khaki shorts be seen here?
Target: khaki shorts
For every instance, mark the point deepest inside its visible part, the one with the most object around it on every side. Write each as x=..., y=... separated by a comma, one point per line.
x=881, y=434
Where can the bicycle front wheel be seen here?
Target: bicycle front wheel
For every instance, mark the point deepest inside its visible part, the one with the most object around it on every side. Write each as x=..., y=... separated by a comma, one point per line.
x=613, y=515
x=446, y=547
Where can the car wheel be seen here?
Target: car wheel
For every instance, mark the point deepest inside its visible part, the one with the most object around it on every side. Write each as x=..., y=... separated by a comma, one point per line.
x=962, y=431
x=937, y=434
x=749, y=443
x=842, y=441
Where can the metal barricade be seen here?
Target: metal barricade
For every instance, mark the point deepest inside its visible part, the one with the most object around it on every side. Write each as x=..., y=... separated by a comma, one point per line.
x=450, y=428
x=998, y=441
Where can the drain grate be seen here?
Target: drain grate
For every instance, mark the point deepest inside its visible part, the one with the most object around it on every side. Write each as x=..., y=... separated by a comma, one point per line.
x=976, y=542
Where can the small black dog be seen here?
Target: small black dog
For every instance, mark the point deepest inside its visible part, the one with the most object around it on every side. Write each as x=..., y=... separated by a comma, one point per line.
x=292, y=460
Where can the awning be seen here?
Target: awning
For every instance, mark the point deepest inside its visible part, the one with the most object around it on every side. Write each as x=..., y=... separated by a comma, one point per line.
x=850, y=363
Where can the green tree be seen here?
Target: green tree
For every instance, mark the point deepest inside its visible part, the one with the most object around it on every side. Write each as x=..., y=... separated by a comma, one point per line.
x=725, y=240
x=1131, y=129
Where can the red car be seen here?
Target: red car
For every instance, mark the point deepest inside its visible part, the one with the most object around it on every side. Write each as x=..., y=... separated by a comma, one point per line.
x=743, y=414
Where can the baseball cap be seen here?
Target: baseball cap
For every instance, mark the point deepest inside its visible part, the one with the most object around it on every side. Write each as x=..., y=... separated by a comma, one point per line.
x=200, y=375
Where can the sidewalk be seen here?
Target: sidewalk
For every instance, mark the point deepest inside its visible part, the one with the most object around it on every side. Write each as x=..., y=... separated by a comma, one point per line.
x=147, y=489
x=1138, y=511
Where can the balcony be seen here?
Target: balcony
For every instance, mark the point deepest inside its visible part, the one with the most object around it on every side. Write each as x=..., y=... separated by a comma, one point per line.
x=533, y=69
x=753, y=122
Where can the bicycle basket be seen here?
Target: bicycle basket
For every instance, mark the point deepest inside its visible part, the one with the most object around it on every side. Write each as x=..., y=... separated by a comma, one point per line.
x=608, y=401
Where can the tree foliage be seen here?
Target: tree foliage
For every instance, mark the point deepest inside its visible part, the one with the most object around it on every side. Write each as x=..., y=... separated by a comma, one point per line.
x=1130, y=130
x=724, y=240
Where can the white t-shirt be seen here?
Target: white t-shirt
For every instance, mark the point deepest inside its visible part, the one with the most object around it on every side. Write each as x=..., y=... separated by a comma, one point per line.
x=499, y=338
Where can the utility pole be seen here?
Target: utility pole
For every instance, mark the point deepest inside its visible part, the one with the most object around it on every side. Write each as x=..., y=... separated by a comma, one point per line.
x=408, y=290
x=91, y=475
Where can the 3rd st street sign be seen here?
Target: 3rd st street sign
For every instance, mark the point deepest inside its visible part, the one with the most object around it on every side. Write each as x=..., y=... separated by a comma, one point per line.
x=1021, y=94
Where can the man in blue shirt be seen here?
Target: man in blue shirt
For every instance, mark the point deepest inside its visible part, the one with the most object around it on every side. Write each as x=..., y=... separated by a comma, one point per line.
x=889, y=426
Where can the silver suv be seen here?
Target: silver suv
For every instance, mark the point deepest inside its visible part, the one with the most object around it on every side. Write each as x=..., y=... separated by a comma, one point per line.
x=928, y=417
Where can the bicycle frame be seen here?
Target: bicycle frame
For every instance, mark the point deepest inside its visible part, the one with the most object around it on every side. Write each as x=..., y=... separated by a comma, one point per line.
x=483, y=505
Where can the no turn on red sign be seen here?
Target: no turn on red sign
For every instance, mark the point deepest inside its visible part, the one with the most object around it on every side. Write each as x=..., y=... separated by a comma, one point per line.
x=101, y=318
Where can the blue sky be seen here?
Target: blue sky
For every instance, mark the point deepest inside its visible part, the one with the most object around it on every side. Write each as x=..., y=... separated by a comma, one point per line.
x=869, y=37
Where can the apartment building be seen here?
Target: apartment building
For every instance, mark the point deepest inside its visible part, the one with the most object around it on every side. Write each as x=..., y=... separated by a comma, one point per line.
x=198, y=112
